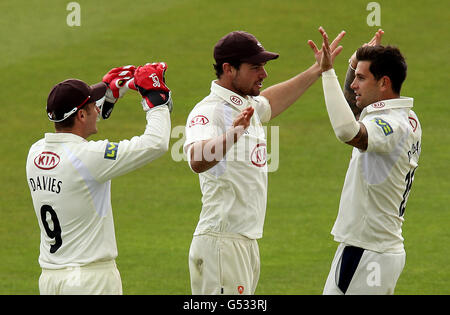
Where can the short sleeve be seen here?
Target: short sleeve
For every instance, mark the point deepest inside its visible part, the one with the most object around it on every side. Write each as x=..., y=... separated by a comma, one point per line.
x=384, y=132
x=201, y=125
x=262, y=107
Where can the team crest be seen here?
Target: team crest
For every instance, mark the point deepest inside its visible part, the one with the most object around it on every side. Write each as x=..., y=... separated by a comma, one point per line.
x=413, y=123
x=259, y=155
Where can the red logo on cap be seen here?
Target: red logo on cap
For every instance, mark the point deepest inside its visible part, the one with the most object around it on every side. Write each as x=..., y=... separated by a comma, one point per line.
x=46, y=160
x=198, y=120
x=235, y=100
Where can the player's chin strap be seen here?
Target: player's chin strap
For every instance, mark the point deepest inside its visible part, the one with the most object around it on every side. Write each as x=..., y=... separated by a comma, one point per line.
x=341, y=117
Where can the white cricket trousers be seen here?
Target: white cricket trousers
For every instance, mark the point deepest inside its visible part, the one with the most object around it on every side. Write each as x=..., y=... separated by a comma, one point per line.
x=98, y=278
x=363, y=272
x=223, y=264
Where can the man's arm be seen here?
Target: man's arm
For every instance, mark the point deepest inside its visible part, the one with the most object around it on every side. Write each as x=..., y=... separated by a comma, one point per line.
x=349, y=94
x=284, y=94
x=361, y=139
x=203, y=155
x=344, y=124
x=118, y=158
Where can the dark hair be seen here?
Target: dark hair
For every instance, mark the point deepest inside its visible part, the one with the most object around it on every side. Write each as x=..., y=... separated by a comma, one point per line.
x=69, y=122
x=385, y=61
x=66, y=123
x=219, y=69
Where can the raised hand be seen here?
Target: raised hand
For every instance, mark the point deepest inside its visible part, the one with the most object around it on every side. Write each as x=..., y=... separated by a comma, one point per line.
x=151, y=84
x=116, y=80
x=376, y=40
x=243, y=119
x=334, y=49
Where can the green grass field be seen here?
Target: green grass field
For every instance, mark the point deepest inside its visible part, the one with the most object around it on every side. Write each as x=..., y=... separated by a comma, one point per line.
x=156, y=208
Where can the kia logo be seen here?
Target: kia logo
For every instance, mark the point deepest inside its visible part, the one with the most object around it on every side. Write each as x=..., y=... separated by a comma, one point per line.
x=46, y=160
x=259, y=155
x=198, y=120
x=235, y=100
x=378, y=105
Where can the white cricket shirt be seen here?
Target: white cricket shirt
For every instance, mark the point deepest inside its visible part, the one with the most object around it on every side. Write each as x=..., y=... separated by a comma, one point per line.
x=378, y=180
x=70, y=183
x=235, y=190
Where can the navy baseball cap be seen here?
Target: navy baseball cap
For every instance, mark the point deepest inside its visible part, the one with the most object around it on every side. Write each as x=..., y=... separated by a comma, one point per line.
x=241, y=46
x=70, y=95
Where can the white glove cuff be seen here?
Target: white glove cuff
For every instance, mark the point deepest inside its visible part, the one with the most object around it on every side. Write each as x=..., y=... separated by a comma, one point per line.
x=109, y=96
x=169, y=103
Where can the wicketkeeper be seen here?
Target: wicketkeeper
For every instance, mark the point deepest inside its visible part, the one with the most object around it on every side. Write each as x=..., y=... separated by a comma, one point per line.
x=70, y=177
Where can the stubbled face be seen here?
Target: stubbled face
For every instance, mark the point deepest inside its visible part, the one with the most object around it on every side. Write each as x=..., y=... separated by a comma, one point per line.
x=248, y=79
x=92, y=112
x=365, y=86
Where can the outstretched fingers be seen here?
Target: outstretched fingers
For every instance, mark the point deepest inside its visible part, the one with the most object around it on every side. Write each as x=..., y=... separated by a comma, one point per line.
x=324, y=34
x=376, y=39
x=327, y=53
x=313, y=46
x=336, y=41
x=336, y=52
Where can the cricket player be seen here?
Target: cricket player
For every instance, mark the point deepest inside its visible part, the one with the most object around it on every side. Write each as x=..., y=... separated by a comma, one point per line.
x=226, y=145
x=387, y=143
x=70, y=178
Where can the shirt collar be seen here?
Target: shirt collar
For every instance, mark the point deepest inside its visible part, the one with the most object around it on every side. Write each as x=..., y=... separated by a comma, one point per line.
x=63, y=137
x=401, y=102
x=228, y=96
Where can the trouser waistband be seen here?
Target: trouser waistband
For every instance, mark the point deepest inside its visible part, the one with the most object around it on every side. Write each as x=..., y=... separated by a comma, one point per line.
x=93, y=265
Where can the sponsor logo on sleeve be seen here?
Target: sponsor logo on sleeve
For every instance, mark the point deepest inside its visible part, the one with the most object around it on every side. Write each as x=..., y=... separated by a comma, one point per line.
x=384, y=125
x=198, y=120
x=46, y=160
x=111, y=150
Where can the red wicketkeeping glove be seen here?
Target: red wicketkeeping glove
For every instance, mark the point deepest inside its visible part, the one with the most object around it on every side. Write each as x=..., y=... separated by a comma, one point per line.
x=117, y=81
x=150, y=82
